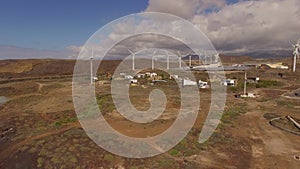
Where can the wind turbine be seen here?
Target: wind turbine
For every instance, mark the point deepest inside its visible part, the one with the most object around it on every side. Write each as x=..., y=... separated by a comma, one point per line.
x=91, y=66
x=296, y=54
x=190, y=60
x=153, y=58
x=179, y=54
x=168, y=60
x=205, y=57
x=199, y=62
x=133, y=56
x=245, y=84
x=217, y=56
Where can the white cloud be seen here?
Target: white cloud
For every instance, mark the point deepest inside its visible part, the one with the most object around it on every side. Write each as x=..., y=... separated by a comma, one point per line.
x=184, y=8
x=242, y=26
x=239, y=27
x=267, y=24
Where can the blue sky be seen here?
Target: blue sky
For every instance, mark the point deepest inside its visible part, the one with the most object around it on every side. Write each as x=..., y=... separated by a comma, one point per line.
x=55, y=24
x=58, y=28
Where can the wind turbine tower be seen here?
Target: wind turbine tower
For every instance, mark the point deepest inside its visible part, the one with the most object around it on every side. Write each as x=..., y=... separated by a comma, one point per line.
x=296, y=54
x=190, y=58
x=205, y=57
x=245, y=84
x=168, y=60
x=133, y=56
x=91, y=66
x=179, y=54
x=153, y=55
x=217, y=56
x=199, y=61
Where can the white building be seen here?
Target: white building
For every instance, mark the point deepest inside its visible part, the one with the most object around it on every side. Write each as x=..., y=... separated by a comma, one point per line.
x=140, y=75
x=153, y=74
x=187, y=82
x=123, y=74
x=95, y=78
x=147, y=74
x=174, y=77
x=203, y=84
x=128, y=77
x=229, y=82
x=248, y=95
x=133, y=81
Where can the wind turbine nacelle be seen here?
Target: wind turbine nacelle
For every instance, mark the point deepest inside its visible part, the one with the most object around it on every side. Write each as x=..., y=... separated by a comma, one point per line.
x=296, y=45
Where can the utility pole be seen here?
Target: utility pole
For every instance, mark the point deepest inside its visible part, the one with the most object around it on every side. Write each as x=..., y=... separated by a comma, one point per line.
x=245, y=83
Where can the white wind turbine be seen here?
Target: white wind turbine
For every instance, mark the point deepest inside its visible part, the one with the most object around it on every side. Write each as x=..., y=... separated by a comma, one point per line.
x=133, y=56
x=168, y=60
x=180, y=57
x=91, y=66
x=190, y=60
x=153, y=55
x=217, y=58
x=217, y=55
x=206, y=57
x=296, y=54
x=199, y=57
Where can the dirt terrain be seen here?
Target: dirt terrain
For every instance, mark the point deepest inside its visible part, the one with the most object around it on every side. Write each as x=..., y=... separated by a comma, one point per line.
x=39, y=127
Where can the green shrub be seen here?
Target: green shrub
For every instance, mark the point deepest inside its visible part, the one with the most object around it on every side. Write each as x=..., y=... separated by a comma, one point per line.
x=40, y=162
x=174, y=152
x=108, y=157
x=267, y=83
x=60, y=122
x=133, y=167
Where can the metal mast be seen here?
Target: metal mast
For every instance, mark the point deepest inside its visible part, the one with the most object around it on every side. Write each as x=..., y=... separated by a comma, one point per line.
x=133, y=56
x=153, y=59
x=179, y=54
x=296, y=55
x=91, y=66
x=190, y=63
x=168, y=61
x=245, y=83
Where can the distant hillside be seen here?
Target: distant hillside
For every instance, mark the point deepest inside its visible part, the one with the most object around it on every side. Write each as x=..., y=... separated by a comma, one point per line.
x=53, y=67
x=268, y=54
x=35, y=68
x=227, y=58
x=45, y=67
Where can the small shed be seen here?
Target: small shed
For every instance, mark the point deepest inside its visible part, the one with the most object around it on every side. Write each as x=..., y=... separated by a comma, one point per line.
x=133, y=81
x=175, y=77
x=187, y=82
x=203, y=84
x=140, y=75
x=229, y=82
x=128, y=77
x=153, y=74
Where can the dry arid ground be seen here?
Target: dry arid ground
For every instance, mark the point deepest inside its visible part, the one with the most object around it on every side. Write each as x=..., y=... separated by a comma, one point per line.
x=39, y=127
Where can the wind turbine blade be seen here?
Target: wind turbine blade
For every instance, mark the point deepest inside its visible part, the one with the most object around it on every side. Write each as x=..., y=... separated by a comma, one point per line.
x=179, y=54
x=130, y=51
x=154, y=52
